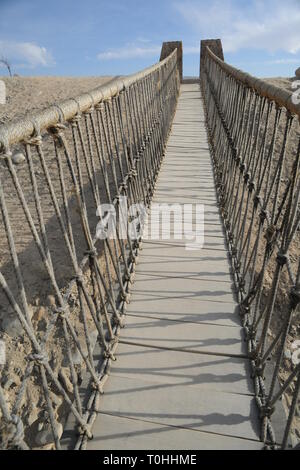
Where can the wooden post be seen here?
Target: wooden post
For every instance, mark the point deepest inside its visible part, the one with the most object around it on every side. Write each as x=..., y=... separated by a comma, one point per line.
x=166, y=50
x=215, y=46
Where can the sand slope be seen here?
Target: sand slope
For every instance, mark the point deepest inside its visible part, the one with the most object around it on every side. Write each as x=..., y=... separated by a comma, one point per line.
x=29, y=94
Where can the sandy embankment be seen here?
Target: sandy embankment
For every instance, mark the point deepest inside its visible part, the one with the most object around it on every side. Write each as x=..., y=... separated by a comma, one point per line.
x=29, y=94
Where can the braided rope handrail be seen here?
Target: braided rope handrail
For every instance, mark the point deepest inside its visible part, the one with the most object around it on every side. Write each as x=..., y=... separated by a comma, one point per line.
x=24, y=128
x=279, y=95
x=254, y=137
x=64, y=285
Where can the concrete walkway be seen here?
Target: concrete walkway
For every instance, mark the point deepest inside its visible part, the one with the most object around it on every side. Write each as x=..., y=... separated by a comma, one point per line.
x=182, y=378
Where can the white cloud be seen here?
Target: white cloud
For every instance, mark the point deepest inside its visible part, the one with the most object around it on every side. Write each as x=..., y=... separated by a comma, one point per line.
x=130, y=51
x=270, y=25
x=144, y=40
x=26, y=54
x=284, y=61
x=135, y=50
x=191, y=49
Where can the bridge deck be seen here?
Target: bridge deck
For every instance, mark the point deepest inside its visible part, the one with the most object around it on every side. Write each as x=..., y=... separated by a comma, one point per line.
x=182, y=377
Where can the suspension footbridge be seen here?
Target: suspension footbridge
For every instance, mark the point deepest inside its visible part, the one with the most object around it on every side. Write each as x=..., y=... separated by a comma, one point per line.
x=154, y=342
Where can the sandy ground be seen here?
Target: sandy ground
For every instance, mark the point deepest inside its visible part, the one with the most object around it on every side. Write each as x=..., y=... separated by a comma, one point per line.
x=29, y=94
x=284, y=287
x=282, y=82
x=281, y=306
x=26, y=95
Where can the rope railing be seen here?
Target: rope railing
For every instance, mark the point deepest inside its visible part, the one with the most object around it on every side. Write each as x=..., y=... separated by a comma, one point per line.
x=64, y=288
x=253, y=130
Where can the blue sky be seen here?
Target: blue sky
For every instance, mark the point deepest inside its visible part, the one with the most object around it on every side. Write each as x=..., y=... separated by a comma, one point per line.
x=95, y=37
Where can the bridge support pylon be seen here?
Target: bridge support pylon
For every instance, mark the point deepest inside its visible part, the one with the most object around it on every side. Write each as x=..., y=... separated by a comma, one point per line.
x=167, y=48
